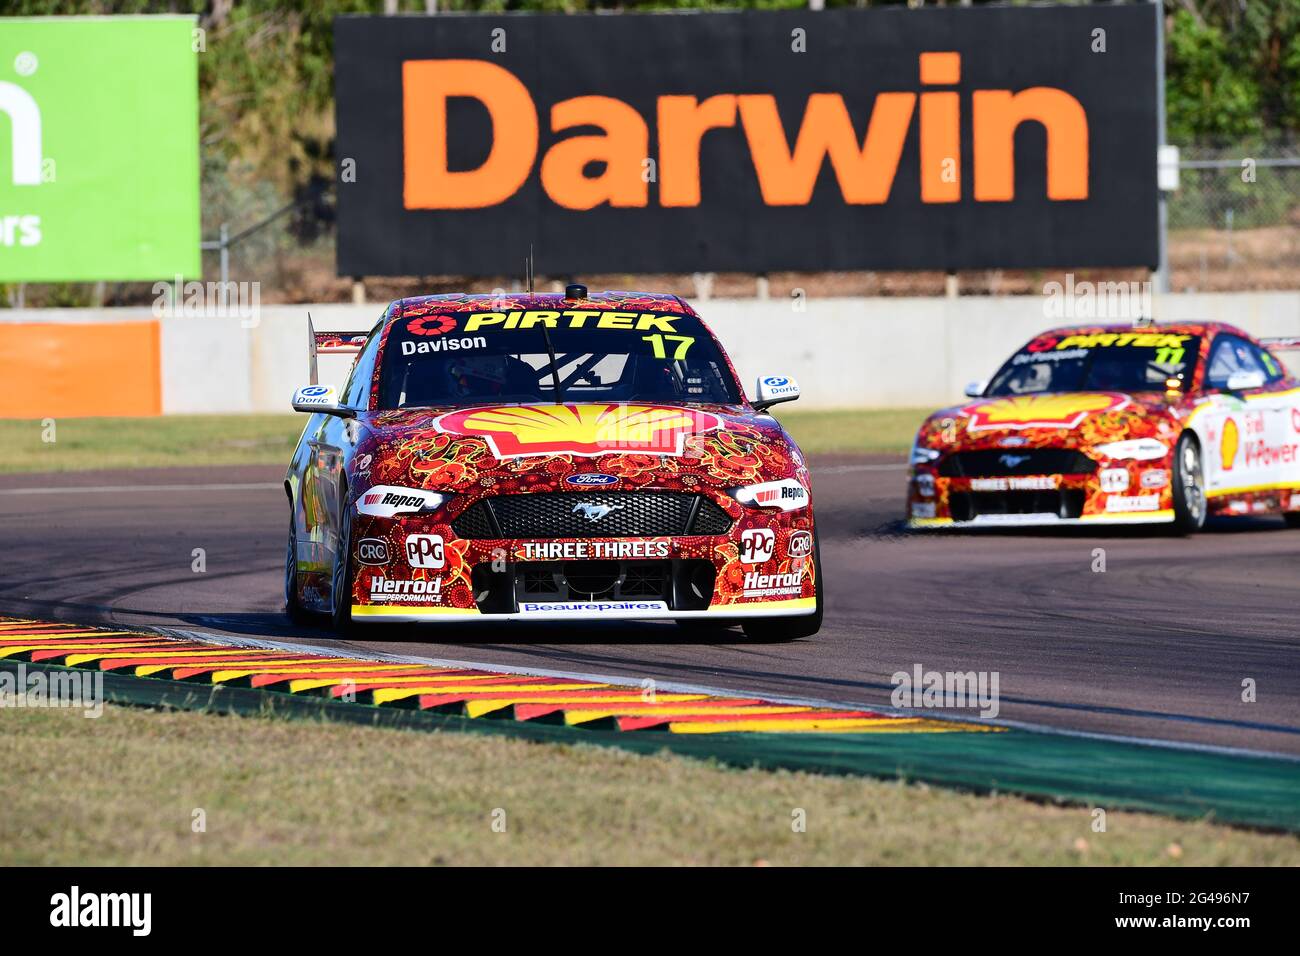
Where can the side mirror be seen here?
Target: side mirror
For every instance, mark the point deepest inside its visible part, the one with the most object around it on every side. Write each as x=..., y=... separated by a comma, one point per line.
x=773, y=389
x=1241, y=381
x=320, y=398
x=976, y=389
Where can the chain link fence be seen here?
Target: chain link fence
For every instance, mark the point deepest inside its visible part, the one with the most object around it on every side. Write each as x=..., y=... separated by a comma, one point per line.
x=1234, y=222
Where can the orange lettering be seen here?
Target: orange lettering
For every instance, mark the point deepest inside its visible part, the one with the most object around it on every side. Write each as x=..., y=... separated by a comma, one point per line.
x=426, y=87
x=865, y=174
x=940, y=130
x=625, y=145
x=997, y=114
x=683, y=121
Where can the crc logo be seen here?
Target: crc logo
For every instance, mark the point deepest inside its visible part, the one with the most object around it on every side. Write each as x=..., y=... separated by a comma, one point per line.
x=372, y=551
x=757, y=545
x=799, y=545
x=425, y=551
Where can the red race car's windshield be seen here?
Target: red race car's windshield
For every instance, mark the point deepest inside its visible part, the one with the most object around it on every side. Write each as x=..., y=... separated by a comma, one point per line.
x=1100, y=362
x=482, y=358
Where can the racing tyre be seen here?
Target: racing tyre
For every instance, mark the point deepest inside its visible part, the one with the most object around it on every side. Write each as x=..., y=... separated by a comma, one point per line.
x=341, y=579
x=1189, y=486
x=1292, y=519
x=297, y=614
x=792, y=628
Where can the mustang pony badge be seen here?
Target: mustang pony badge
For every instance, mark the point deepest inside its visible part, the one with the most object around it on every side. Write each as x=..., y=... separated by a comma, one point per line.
x=592, y=511
x=515, y=431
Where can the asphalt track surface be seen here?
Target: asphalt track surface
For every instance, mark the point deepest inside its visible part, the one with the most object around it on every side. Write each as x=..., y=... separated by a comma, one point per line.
x=1156, y=646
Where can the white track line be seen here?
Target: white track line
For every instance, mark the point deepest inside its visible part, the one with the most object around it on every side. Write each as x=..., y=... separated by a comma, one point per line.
x=117, y=489
x=673, y=687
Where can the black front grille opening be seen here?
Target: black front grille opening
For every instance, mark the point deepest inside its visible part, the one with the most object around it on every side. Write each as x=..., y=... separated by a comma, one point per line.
x=695, y=585
x=1001, y=463
x=967, y=505
x=493, y=590
x=475, y=522
x=710, y=519
x=592, y=579
x=613, y=514
x=541, y=579
x=645, y=579
x=684, y=585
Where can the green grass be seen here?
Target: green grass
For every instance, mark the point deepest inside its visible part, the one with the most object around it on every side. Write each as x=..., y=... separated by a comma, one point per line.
x=165, y=441
x=868, y=430
x=178, y=440
x=122, y=790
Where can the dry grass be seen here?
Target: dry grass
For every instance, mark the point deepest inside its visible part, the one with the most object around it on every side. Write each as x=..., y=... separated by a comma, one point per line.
x=178, y=440
x=122, y=790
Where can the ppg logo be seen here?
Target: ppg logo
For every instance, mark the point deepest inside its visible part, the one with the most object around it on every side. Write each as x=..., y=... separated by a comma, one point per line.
x=756, y=545
x=372, y=551
x=425, y=551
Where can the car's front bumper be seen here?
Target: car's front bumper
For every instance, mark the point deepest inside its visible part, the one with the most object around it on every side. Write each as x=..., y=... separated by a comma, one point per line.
x=597, y=611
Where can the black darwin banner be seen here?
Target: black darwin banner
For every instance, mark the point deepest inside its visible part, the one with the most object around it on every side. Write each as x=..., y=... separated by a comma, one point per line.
x=952, y=138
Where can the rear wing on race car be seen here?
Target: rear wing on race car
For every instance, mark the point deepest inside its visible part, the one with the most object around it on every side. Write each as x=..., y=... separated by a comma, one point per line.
x=1285, y=343
x=330, y=343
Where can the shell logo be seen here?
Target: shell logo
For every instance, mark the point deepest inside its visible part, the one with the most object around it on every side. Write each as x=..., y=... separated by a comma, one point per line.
x=514, y=431
x=1041, y=411
x=1228, y=446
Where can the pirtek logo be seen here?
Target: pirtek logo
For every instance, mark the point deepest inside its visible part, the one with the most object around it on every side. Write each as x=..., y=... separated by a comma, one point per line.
x=865, y=170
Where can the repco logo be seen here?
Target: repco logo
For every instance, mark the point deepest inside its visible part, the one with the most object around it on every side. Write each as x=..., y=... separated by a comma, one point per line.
x=864, y=168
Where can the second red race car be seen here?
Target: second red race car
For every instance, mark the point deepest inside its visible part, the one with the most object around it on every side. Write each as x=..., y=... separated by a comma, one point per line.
x=1116, y=425
x=548, y=457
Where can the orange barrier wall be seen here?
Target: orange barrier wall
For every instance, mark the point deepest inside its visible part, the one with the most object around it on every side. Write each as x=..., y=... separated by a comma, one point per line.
x=73, y=369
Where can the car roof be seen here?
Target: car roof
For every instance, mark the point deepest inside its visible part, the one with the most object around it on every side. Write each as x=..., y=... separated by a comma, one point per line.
x=1177, y=328
x=512, y=301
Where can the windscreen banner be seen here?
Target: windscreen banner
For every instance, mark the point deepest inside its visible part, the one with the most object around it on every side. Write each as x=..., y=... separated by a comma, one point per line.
x=99, y=148
x=938, y=138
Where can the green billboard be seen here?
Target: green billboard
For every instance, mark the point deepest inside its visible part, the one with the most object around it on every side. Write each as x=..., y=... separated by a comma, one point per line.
x=99, y=148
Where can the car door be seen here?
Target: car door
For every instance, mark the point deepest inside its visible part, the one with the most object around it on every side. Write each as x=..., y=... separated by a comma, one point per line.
x=1250, y=448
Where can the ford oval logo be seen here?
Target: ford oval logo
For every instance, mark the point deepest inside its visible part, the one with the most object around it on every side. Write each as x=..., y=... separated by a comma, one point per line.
x=587, y=479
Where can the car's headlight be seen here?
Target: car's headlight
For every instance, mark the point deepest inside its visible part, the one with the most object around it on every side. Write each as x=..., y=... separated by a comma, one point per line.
x=385, y=501
x=787, y=495
x=1138, y=449
x=923, y=456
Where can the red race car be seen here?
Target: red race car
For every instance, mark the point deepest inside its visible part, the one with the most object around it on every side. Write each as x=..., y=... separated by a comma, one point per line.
x=1117, y=425
x=548, y=457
